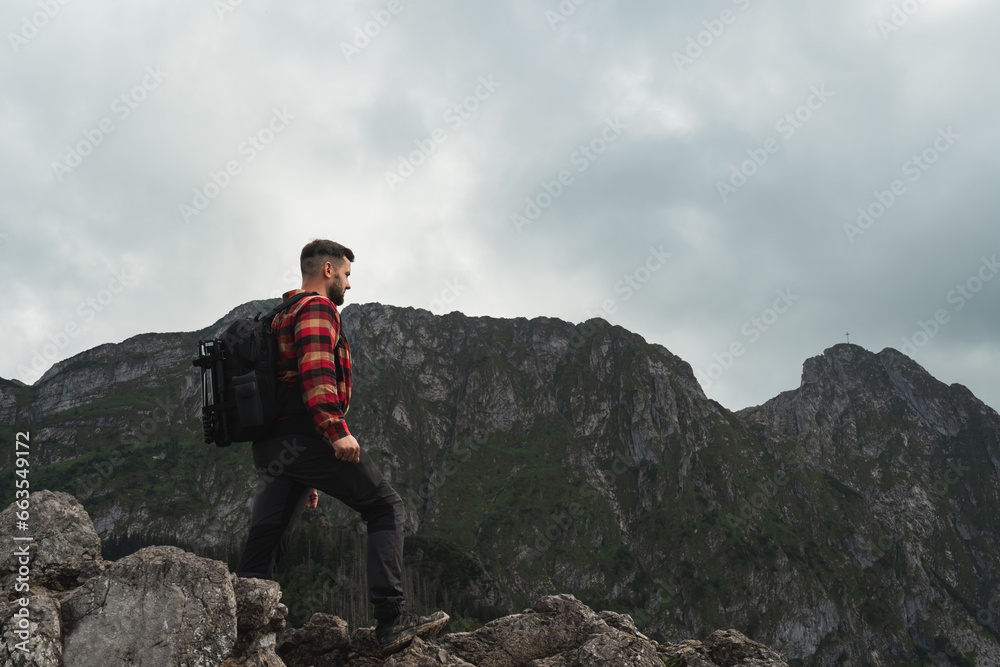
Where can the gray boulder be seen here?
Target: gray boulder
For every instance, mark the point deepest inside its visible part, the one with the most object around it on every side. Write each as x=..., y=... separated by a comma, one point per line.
x=259, y=617
x=322, y=642
x=613, y=647
x=557, y=630
x=158, y=606
x=64, y=550
x=723, y=648
x=425, y=654
x=33, y=639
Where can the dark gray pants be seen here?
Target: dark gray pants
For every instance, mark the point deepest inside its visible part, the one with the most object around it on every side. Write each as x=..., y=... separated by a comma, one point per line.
x=287, y=467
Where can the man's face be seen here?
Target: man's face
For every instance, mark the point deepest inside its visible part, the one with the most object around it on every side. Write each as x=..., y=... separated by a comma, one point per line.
x=340, y=282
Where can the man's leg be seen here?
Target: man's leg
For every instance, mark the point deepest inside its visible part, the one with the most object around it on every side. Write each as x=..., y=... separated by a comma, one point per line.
x=311, y=462
x=278, y=502
x=383, y=514
x=282, y=545
x=362, y=488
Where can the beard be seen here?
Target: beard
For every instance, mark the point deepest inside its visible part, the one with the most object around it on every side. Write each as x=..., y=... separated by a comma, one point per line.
x=335, y=293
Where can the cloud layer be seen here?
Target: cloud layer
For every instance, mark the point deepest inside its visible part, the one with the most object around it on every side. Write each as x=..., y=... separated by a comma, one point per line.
x=743, y=182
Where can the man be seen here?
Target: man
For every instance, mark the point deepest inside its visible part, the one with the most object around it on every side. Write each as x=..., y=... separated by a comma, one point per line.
x=311, y=448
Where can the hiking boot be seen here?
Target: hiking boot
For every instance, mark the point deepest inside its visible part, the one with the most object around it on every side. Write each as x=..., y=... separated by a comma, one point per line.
x=397, y=633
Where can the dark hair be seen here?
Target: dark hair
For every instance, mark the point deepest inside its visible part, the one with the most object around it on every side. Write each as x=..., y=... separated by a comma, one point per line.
x=317, y=253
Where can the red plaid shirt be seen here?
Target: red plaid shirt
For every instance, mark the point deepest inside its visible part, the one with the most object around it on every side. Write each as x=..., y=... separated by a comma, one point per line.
x=313, y=349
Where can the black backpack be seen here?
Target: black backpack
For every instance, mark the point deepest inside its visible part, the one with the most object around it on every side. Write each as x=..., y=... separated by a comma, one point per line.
x=240, y=399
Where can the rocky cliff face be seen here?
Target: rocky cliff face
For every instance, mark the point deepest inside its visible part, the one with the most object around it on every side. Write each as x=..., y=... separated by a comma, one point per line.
x=537, y=456
x=164, y=606
x=917, y=463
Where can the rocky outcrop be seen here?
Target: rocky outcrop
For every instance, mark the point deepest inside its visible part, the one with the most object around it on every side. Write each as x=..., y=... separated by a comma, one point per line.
x=723, y=647
x=557, y=631
x=63, y=550
x=158, y=606
x=323, y=642
x=164, y=606
x=8, y=401
x=31, y=638
x=259, y=617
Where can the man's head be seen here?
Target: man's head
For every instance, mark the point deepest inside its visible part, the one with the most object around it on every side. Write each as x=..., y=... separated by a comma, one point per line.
x=326, y=267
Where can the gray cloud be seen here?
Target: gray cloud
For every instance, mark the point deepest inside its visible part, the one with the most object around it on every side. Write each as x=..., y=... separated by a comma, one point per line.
x=684, y=125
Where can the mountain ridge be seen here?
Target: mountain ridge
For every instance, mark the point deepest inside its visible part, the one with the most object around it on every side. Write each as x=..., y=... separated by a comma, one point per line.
x=536, y=455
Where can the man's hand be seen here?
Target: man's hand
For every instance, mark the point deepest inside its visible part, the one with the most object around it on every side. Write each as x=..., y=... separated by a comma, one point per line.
x=347, y=449
x=313, y=499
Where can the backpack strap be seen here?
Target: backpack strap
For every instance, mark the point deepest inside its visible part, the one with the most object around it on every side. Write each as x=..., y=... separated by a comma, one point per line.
x=290, y=402
x=269, y=318
x=285, y=304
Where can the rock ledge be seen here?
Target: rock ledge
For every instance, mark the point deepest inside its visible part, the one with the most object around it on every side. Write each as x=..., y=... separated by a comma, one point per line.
x=164, y=606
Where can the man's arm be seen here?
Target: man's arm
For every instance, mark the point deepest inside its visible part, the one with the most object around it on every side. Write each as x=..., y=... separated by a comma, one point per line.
x=317, y=328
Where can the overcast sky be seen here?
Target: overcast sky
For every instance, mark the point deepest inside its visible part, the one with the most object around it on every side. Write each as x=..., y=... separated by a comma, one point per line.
x=690, y=171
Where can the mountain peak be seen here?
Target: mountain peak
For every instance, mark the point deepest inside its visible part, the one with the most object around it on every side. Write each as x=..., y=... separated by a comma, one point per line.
x=842, y=361
x=13, y=382
x=884, y=381
x=538, y=455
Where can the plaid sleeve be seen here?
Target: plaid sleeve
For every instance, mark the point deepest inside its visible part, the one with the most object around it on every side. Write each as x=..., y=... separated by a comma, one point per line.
x=316, y=330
